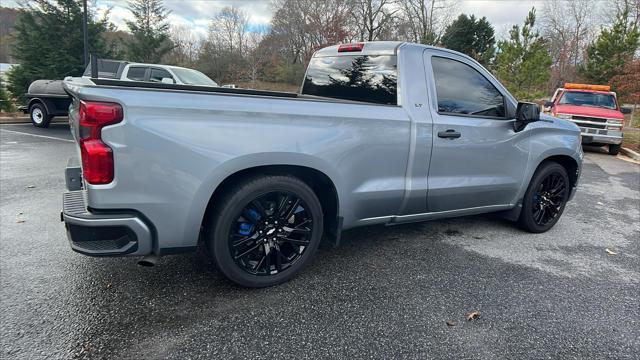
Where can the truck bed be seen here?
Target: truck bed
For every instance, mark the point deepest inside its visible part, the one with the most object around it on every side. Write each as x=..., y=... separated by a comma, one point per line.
x=211, y=89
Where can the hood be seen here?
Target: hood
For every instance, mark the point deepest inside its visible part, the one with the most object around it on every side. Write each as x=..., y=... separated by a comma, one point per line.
x=587, y=111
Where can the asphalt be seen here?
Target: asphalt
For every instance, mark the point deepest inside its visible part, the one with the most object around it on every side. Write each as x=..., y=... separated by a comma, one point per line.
x=386, y=292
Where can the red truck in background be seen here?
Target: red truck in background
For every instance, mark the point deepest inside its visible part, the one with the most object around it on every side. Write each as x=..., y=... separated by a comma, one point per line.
x=595, y=109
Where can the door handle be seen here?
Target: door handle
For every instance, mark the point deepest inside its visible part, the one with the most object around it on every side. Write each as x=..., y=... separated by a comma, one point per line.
x=449, y=134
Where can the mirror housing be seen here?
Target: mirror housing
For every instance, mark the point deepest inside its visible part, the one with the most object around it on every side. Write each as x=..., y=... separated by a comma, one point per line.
x=549, y=104
x=625, y=110
x=526, y=113
x=168, y=81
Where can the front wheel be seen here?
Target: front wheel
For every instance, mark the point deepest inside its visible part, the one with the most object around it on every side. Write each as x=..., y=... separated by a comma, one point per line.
x=265, y=230
x=545, y=198
x=614, y=149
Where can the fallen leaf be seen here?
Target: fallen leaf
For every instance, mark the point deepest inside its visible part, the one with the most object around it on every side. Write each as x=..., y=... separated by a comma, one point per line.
x=610, y=252
x=473, y=315
x=451, y=323
x=20, y=221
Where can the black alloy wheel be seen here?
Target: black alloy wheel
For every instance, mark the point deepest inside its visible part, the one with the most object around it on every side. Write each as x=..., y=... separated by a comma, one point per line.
x=549, y=198
x=264, y=230
x=546, y=198
x=271, y=233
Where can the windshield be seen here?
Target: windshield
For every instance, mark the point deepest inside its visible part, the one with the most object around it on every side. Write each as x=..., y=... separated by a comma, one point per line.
x=193, y=77
x=580, y=98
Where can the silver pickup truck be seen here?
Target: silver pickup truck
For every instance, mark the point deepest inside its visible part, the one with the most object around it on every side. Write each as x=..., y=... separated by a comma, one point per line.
x=380, y=133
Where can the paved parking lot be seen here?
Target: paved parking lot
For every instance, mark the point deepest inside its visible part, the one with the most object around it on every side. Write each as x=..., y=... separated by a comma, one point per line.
x=385, y=292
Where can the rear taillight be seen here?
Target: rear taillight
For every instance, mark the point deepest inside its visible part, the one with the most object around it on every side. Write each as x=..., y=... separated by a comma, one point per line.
x=97, y=157
x=351, y=47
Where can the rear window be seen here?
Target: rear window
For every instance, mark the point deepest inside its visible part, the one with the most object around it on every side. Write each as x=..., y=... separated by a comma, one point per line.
x=136, y=73
x=360, y=78
x=106, y=69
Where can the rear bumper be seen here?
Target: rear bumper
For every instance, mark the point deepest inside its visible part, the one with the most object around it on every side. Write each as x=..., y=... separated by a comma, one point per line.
x=102, y=233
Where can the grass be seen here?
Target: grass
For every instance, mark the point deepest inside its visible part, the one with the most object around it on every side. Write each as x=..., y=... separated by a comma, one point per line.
x=631, y=139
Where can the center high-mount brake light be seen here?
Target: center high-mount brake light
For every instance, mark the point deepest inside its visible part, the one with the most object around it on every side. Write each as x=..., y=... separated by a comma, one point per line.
x=351, y=47
x=97, y=157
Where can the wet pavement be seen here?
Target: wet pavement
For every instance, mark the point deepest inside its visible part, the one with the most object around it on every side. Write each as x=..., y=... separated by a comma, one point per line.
x=385, y=292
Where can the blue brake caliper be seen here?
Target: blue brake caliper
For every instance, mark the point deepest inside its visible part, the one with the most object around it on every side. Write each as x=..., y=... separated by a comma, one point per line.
x=245, y=228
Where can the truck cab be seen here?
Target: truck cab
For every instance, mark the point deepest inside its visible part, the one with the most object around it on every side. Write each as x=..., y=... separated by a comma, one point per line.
x=595, y=109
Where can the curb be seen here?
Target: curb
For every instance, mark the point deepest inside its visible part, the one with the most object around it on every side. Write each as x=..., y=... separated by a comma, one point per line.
x=26, y=120
x=630, y=153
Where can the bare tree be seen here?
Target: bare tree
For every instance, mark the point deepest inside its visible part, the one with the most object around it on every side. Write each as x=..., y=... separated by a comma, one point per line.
x=611, y=8
x=568, y=26
x=187, y=46
x=373, y=18
x=229, y=28
x=304, y=25
x=425, y=20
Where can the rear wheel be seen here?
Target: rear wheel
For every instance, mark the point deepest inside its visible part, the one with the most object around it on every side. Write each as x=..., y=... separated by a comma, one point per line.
x=614, y=149
x=265, y=230
x=545, y=198
x=39, y=115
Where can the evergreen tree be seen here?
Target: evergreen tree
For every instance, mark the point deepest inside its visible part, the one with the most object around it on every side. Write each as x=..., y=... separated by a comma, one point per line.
x=471, y=36
x=5, y=99
x=49, y=43
x=150, y=39
x=522, y=62
x=614, y=47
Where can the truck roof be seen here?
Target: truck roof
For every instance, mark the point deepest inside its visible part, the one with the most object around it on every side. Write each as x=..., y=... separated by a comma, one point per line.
x=377, y=48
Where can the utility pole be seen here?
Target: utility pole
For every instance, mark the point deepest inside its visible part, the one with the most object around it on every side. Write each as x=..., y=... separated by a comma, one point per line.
x=85, y=34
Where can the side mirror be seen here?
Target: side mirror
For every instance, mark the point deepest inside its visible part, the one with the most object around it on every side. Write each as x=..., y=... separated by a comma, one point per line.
x=526, y=113
x=548, y=104
x=168, y=81
x=626, y=110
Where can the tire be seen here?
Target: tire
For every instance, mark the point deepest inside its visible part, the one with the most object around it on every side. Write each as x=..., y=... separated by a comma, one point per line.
x=39, y=116
x=614, y=149
x=248, y=214
x=543, y=202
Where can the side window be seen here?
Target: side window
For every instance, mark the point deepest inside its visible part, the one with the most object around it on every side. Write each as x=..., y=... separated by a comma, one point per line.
x=158, y=74
x=463, y=90
x=136, y=73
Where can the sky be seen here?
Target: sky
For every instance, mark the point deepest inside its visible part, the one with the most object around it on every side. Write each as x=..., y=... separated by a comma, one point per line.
x=195, y=14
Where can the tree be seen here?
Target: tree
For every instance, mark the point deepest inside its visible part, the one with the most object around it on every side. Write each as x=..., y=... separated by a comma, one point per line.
x=5, y=99
x=373, y=18
x=425, y=20
x=222, y=55
x=627, y=83
x=568, y=27
x=471, y=36
x=614, y=47
x=49, y=44
x=150, y=40
x=522, y=62
x=187, y=46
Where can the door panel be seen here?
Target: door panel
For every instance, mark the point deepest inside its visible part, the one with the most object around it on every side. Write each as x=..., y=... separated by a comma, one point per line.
x=483, y=167
x=477, y=158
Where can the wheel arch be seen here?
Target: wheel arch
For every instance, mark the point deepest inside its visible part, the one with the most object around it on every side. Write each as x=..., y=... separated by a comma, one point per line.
x=571, y=165
x=321, y=184
x=37, y=100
